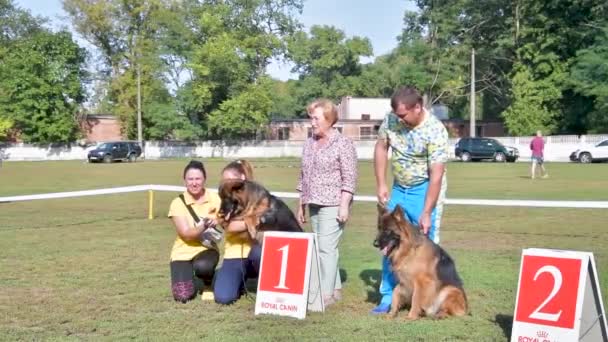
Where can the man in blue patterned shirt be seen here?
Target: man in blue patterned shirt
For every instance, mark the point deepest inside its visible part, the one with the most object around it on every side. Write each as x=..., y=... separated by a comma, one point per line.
x=419, y=147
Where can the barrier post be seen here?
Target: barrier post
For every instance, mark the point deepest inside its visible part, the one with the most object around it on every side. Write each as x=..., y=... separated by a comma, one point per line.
x=150, y=205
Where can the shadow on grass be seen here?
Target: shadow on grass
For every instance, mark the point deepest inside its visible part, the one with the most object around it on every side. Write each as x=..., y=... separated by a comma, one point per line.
x=343, y=275
x=251, y=285
x=505, y=322
x=372, y=279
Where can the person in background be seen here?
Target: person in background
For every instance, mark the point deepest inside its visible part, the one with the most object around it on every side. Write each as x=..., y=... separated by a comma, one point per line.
x=537, y=145
x=327, y=183
x=193, y=265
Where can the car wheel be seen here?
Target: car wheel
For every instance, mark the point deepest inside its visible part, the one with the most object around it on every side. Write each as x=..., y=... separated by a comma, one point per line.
x=500, y=157
x=107, y=158
x=465, y=157
x=585, y=158
x=132, y=158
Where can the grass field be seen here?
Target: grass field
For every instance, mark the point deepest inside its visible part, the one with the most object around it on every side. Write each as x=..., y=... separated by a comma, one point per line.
x=95, y=268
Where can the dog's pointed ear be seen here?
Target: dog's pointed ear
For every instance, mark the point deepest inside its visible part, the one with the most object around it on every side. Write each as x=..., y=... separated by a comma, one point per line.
x=401, y=220
x=398, y=214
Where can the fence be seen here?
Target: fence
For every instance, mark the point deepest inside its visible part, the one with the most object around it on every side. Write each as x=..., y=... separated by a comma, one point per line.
x=557, y=148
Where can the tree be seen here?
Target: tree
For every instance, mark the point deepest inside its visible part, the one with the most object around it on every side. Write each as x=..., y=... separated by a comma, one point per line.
x=237, y=39
x=328, y=63
x=589, y=77
x=5, y=127
x=193, y=56
x=41, y=80
x=243, y=115
x=283, y=102
x=547, y=40
x=530, y=108
x=524, y=52
x=126, y=34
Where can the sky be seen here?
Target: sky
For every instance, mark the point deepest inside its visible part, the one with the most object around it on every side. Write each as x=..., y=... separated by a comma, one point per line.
x=379, y=20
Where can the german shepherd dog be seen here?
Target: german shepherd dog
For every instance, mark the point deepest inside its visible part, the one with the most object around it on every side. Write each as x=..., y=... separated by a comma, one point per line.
x=252, y=203
x=427, y=279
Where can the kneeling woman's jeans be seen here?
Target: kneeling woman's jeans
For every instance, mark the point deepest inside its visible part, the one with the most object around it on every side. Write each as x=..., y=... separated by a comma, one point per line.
x=230, y=279
x=189, y=276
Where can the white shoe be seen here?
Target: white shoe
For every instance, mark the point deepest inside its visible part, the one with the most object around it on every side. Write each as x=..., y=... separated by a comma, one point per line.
x=207, y=294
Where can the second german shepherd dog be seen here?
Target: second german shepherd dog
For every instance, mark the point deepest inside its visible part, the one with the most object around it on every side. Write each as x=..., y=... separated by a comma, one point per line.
x=427, y=279
x=260, y=210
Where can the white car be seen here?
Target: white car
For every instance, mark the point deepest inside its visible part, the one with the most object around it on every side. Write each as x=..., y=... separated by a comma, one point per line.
x=588, y=154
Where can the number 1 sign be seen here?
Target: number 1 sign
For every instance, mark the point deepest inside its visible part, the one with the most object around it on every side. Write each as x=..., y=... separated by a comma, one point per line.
x=558, y=298
x=285, y=274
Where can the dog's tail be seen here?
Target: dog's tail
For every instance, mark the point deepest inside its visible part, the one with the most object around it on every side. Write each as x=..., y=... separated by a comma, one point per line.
x=446, y=269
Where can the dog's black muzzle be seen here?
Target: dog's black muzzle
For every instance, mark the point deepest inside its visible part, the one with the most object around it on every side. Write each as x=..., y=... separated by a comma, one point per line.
x=387, y=238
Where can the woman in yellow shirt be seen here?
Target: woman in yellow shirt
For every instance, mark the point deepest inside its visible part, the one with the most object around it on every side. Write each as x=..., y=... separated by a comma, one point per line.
x=241, y=255
x=192, y=264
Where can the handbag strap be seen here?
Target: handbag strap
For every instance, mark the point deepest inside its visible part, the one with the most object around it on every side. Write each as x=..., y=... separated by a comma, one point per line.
x=194, y=215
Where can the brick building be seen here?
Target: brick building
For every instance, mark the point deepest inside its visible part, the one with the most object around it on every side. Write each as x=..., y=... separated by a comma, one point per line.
x=101, y=127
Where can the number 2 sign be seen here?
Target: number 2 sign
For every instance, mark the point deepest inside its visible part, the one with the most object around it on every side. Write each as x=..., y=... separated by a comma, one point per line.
x=558, y=298
x=285, y=274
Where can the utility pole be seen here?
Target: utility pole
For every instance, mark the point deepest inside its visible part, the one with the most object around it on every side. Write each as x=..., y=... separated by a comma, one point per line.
x=472, y=116
x=139, y=128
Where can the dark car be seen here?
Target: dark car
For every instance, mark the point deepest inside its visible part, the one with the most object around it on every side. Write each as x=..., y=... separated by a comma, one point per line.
x=468, y=149
x=108, y=152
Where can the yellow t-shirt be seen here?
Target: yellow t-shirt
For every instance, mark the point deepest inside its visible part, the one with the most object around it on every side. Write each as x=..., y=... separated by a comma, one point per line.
x=186, y=250
x=234, y=246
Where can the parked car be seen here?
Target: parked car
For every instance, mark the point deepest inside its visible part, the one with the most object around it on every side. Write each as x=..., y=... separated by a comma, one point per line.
x=590, y=153
x=468, y=149
x=108, y=152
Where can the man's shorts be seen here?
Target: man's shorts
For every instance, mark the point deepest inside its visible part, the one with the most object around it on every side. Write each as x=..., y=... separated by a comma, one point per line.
x=537, y=160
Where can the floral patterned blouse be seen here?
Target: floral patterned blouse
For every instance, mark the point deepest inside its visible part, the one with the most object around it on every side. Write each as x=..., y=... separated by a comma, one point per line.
x=327, y=170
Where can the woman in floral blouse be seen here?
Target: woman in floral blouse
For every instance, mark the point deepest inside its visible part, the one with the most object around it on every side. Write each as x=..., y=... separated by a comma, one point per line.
x=327, y=183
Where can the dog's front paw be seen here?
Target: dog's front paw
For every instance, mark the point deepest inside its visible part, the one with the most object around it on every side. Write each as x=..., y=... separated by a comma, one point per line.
x=411, y=316
x=392, y=314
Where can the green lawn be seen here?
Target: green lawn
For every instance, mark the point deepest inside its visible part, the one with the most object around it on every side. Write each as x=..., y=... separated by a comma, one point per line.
x=95, y=268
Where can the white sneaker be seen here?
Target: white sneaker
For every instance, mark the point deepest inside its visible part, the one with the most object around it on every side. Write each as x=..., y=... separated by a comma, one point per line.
x=207, y=294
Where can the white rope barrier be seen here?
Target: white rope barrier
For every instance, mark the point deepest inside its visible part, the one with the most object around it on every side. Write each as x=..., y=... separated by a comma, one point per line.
x=82, y=193
x=173, y=188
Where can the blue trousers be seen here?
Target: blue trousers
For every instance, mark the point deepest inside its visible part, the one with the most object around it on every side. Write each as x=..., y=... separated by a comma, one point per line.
x=411, y=200
x=230, y=278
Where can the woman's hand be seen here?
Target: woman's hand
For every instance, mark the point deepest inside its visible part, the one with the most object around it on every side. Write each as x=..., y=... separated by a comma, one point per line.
x=343, y=213
x=302, y=214
x=208, y=222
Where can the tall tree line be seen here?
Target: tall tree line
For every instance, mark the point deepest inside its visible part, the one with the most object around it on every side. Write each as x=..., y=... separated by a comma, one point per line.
x=540, y=64
x=41, y=78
